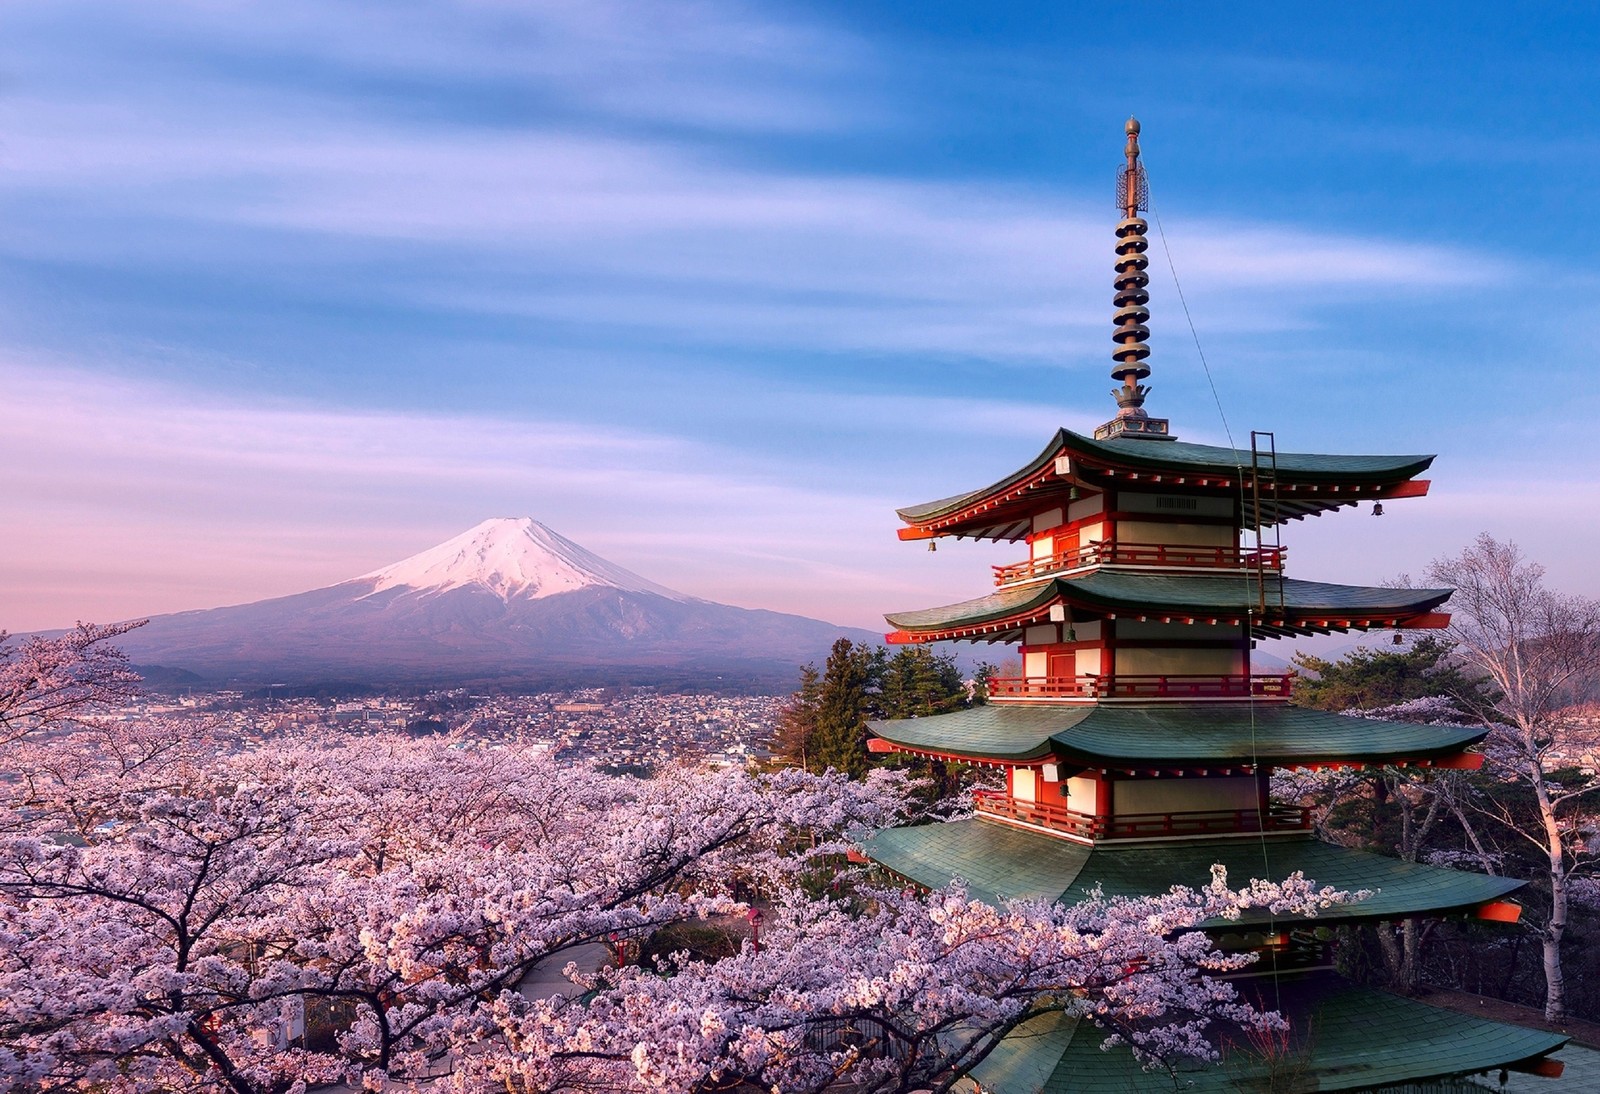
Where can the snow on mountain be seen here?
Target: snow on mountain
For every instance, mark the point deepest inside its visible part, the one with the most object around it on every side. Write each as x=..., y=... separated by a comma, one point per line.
x=509, y=603
x=514, y=558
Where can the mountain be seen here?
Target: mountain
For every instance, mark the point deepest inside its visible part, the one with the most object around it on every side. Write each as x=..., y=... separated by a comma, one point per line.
x=508, y=603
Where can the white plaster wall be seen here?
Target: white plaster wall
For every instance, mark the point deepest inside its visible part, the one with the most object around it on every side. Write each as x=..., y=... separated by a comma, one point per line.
x=1184, y=795
x=1081, y=793
x=1022, y=784
x=1159, y=662
x=1086, y=507
x=1150, y=531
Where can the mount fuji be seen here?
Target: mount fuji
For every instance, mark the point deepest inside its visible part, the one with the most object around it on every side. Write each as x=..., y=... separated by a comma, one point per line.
x=508, y=603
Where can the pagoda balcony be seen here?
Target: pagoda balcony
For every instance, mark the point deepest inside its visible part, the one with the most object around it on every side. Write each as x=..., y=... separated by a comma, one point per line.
x=1208, y=822
x=1126, y=686
x=1178, y=556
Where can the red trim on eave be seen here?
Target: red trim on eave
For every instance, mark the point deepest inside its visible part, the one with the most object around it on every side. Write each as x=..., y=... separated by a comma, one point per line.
x=1545, y=1068
x=1428, y=621
x=1411, y=488
x=879, y=745
x=1461, y=761
x=916, y=533
x=1499, y=911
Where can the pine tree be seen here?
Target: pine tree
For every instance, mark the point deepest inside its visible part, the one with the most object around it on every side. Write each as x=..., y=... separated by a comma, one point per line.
x=918, y=682
x=850, y=682
x=1365, y=679
x=794, y=740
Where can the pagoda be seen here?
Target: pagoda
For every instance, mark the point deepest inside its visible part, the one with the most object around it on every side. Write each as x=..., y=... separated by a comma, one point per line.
x=1137, y=745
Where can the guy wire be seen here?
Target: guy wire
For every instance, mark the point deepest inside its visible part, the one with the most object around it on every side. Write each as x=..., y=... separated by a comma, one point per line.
x=1255, y=754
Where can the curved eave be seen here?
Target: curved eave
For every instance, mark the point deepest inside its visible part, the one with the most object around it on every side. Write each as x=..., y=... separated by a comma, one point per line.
x=998, y=861
x=1301, y=608
x=1304, y=484
x=1163, y=737
x=1345, y=1038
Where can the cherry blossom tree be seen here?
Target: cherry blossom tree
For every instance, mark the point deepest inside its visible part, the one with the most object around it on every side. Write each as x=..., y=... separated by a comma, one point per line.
x=908, y=993
x=175, y=913
x=198, y=906
x=44, y=681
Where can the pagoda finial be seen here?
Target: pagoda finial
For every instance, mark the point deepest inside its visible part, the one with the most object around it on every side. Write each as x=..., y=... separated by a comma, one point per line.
x=1133, y=196
x=1133, y=193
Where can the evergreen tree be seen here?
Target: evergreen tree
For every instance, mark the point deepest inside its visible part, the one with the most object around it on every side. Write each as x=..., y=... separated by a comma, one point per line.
x=918, y=682
x=845, y=701
x=794, y=740
x=1365, y=679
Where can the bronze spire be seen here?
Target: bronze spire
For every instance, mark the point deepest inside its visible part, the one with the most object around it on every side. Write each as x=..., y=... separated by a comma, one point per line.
x=1130, y=301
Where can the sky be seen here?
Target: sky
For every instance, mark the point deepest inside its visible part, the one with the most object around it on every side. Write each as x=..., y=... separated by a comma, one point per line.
x=291, y=291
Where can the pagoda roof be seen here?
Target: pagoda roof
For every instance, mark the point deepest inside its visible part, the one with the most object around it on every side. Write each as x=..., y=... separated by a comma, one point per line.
x=1309, y=607
x=1353, y=1038
x=1138, y=736
x=1306, y=483
x=998, y=861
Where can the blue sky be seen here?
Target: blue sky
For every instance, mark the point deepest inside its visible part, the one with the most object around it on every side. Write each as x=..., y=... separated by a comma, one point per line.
x=290, y=291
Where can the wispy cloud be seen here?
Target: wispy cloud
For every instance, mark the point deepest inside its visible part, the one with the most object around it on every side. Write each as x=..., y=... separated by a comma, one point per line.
x=609, y=264
x=144, y=498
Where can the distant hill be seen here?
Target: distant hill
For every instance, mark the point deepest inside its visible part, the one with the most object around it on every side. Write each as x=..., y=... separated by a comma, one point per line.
x=509, y=603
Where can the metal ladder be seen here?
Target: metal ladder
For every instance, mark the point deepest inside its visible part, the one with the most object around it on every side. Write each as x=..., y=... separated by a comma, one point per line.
x=1268, y=540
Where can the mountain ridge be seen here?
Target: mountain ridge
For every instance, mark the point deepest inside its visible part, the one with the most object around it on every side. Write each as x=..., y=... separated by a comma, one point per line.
x=510, y=602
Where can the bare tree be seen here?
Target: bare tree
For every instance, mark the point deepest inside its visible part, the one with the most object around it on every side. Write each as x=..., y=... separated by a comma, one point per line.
x=48, y=680
x=1537, y=648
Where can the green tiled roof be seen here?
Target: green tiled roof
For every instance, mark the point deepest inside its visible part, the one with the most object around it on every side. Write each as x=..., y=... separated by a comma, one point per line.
x=996, y=605
x=1113, y=734
x=998, y=861
x=1145, y=594
x=1182, y=457
x=1357, y=1039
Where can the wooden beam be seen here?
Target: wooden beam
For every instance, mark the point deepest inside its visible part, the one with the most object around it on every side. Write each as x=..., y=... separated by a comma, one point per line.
x=1499, y=911
x=1411, y=488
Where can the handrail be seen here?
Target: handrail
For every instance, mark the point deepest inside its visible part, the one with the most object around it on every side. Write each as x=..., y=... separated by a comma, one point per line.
x=1113, y=553
x=1143, y=686
x=1278, y=818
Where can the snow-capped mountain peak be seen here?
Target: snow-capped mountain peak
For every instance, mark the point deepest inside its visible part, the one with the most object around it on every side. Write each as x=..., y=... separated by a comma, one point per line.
x=514, y=558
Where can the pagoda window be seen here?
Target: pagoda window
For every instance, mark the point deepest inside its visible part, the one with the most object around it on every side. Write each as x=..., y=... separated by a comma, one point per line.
x=1036, y=664
x=1087, y=662
x=1175, y=505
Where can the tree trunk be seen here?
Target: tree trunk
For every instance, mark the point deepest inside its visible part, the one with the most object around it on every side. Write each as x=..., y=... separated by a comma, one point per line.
x=1555, y=984
x=1411, y=949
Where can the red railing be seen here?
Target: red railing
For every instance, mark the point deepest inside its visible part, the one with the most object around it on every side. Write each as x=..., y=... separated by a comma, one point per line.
x=1279, y=818
x=1144, y=554
x=1125, y=686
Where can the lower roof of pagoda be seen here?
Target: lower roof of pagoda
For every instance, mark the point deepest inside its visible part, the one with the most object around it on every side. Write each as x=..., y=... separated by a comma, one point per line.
x=1303, y=484
x=1307, y=607
x=1344, y=1037
x=1000, y=862
x=1137, y=738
